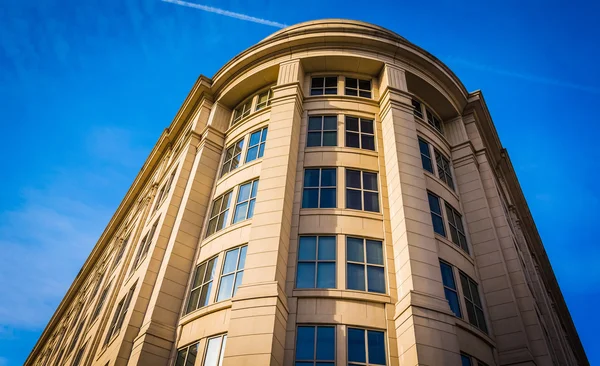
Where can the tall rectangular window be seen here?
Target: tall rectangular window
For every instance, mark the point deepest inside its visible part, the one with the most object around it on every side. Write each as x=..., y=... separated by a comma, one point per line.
x=360, y=133
x=358, y=87
x=365, y=269
x=457, y=231
x=425, y=155
x=76, y=336
x=121, y=251
x=366, y=347
x=246, y=198
x=322, y=131
x=264, y=99
x=473, y=302
x=232, y=157
x=436, y=214
x=450, y=289
x=319, y=188
x=201, y=285
x=164, y=191
x=186, y=356
x=100, y=303
x=233, y=272
x=465, y=360
x=145, y=245
x=443, y=167
x=315, y=345
x=256, y=146
x=433, y=120
x=79, y=355
x=417, y=108
x=362, y=192
x=323, y=85
x=97, y=285
x=215, y=349
x=119, y=316
x=242, y=111
x=316, y=262
x=219, y=213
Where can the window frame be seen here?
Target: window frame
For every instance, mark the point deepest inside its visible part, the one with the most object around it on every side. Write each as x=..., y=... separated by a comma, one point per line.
x=322, y=130
x=423, y=156
x=366, y=265
x=471, y=301
x=362, y=190
x=320, y=187
x=444, y=168
x=222, y=345
x=236, y=272
x=316, y=261
x=435, y=120
x=452, y=224
x=440, y=214
x=186, y=349
x=228, y=162
x=250, y=200
x=260, y=146
x=240, y=111
x=100, y=304
x=314, y=360
x=119, y=315
x=323, y=88
x=121, y=250
x=360, y=133
x=262, y=105
x=358, y=89
x=417, y=110
x=454, y=290
x=204, y=283
x=79, y=355
x=164, y=191
x=222, y=212
x=144, y=246
x=366, y=334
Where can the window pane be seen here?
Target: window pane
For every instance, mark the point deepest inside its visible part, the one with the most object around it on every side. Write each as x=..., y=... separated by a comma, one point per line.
x=231, y=258
x=366, y=126
x=251, y=209
x=351, y=124
x=424, y=148
x=354, y=250
x=328, y=178
x=438, y=225
x=192, y=353
x=376, y=279
x=305, y=343
x=226, y=287
x=327, y=248
x=330, y=123
x=427, y=164
x=352, y=178
x=310, y=198
x=370, y=181
x=331, y=81
x=356, y=345
x=328, y=198
x=238, y=281
x=447, y=275
x=252, y=153
x=240, y=212
x=465, y=360
x=331, y=91
x=316, y=92
x=475, y=293
x=364, y=94
x=315, y=123
x=204, y=295
x=313, y=139
x=311, y=177
x=181, y=357
x=330, y=138
x=255, y=138
x=464, y=282
x=244, y=192
x=371, y=201
x=434, y=204
x=364, y=84
x=368, y=142
x=454, y=235
x=325, y=343
x=193, y=301
x=376, y=342
x=261, y=150
x=480, y=319
x=306, y=275
x=317, y=82
x=212, y=352
x=326, y=275
x=352, y=139
x=356, y=277
x=307, y=248
x=199, y=278
x=216, y=207
x=242, y=261
x=353, y=199
x=471, y=312
x=374, y=252
x=452, y=298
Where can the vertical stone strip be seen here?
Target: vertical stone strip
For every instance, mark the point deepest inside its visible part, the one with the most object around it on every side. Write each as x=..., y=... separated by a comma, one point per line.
x=423, y=321
x=259, y=311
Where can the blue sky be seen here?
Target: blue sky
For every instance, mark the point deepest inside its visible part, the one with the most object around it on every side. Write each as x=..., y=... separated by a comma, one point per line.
x=86, y=88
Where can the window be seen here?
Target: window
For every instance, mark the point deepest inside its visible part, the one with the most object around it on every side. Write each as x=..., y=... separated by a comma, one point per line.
x=417, y=108
x=450, y=288
x=322, y=131
x=121, y=251
x=215, y=349
x=361, y=190
x=218, y=214
x=473, y=302
x=468, y=360
x=358, y=87
x=145, y=245
x=232, y=157
x=323, y=85
x=119, y=317
x=246, y=198
x=164, y=191
x=201, y=285
x=186, y=356
x=360, y=133
x=316, y=262
x=436, y=214
x=264, y=100
x=457, y=232
x=443, y=167
x=256, y=146
x=366, y=347
x=242, y=111
x=315, y=346
x=97, y=285
x=365, y=274
x=319, y=188
x=425, y=156
x=79, y=355
x=100, y=303
x=232, y=273
x=76, y=336
x=433, y=120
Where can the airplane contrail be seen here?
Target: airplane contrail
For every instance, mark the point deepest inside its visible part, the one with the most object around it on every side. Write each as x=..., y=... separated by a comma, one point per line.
x=227, y=13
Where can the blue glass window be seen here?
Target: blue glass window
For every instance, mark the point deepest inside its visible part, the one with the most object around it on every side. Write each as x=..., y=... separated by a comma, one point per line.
x=366, y=347
x=246, y=199
x=316, y=262
x=450, y=288
x=256, y=146
x=436, y=214
x=322, y=131
x=365, y=269
x=233, y=272
x=315, y=345
x=425, y=156
x=319, y=188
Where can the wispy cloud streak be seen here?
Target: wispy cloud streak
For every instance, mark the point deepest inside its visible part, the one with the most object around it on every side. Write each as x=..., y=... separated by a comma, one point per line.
x=227, y=13
x=524, y=76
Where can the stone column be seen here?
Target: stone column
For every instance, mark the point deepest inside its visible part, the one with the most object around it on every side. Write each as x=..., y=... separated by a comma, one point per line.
x=423, y=320
x=259, y=310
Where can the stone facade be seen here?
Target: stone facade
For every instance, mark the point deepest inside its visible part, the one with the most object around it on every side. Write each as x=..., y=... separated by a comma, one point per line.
x=333, y=194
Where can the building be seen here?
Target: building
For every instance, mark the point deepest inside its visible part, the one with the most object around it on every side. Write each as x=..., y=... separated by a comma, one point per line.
x=379, y=222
